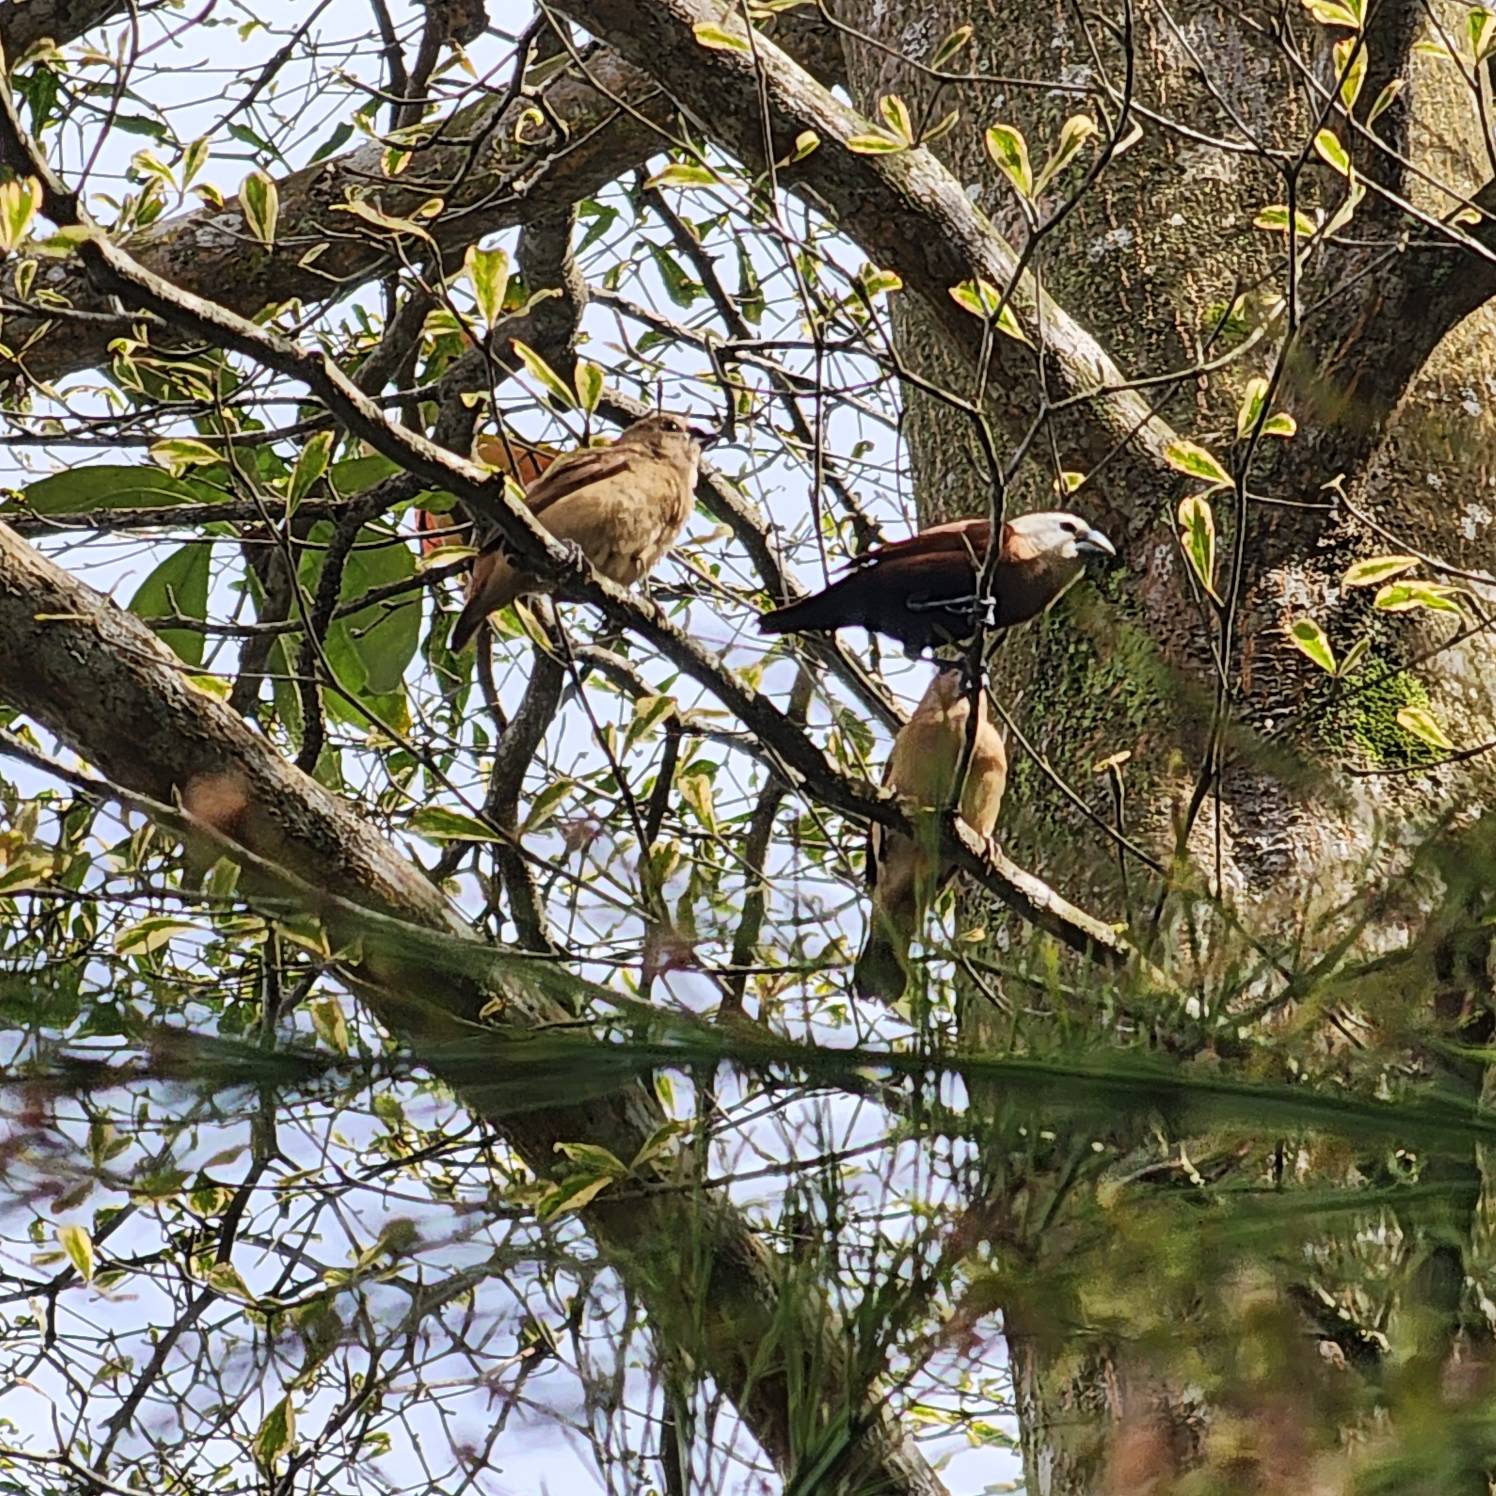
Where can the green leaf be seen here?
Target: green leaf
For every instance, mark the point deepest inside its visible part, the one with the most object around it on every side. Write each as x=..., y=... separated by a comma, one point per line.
x=1253, y=396
x=439, y=825
x=1350, y=68
x=1421, y=723
x=375, y=645
x=1197, y=536
x=1404, y=597
x=1377, y=569
x=895, y=114
x=951, y=45
x=259, y=201
x=109, y=487
x=719, y=38
x=149, y=934
x=1384, y=100
x=19, y=202
x=353, y=475
x=1074, y=133
x=245, y=136
x=983, y=299
x=178, y=586
x=594, y=1159
x=682, y=174
x=1275, y=217
x=334, y=142
x=543, y=373
x=178, y=453
x=311, y=463
x=1007, y=147
x=1328, y=147
x=751, y=301
x=1480, y=26
x=1310, y=638
x=487, y=271
x=275, y=1436
x=1188, y=457
x=1280, y=423
x=875, y=143
x=589, y=381
x=1333, y=13
x=78, y=1244
x=679, y=286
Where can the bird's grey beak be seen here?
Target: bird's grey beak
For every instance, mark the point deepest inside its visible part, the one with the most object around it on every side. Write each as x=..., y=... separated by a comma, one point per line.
x=1094, y=543
x=703, y=437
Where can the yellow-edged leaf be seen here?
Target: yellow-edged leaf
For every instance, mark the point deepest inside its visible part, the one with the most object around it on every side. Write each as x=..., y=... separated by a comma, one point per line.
x=895, y=114
x=1328, y=147
x=1350, y=68
x=487, y=272
x=1193, y=459
x=259, y=201
x=1007, y=147
x=719, y=38
x=78, y=1244
x=1197, y=536
x=1421, y=723
x=1377, y=569
x=1405, y=596
x=1311, y=639
x=1074, y=133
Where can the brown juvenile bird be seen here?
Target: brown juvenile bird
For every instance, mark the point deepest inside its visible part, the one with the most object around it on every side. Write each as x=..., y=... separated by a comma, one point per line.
x=923, y=591
x=906, y=873
x=621, y=507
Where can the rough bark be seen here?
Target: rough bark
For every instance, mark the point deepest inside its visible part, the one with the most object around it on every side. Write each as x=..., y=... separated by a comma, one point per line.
x=1151, y=254
x=23, y=23
x=106, y=686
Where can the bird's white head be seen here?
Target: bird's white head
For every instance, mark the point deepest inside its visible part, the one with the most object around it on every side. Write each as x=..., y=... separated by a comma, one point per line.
x=1055, y=535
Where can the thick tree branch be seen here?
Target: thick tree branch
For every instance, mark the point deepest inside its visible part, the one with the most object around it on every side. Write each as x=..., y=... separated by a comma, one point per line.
x=486, y=179
x=23, y=23
x=96, y=677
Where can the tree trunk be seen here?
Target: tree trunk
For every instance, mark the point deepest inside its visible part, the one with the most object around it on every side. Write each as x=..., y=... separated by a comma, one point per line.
x=1285, y=827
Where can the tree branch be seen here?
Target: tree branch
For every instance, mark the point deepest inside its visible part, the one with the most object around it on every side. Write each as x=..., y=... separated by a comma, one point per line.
x=487, y=180
x=909, y=214
x=101, y=681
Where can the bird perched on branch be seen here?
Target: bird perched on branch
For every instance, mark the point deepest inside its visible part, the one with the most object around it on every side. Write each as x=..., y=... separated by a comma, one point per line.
x=906, y=873
x=621, y=507
x=923, y=591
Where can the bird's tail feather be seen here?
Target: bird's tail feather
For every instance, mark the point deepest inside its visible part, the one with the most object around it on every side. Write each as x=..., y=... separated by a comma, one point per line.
x=474, y=611
x=882, y=970
x=818, y=612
